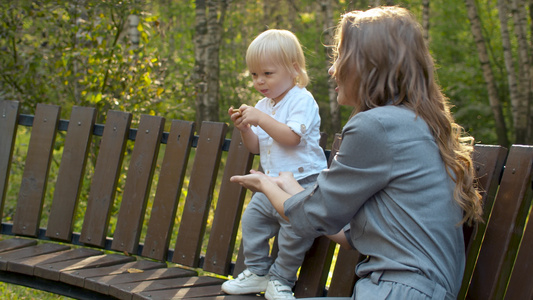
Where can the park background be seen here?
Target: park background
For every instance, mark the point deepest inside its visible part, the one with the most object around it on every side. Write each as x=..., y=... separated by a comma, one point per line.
x=184, y=59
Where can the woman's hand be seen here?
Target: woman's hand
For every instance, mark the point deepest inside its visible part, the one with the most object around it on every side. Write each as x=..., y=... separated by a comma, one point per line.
x=253, y=181
x=259, y=182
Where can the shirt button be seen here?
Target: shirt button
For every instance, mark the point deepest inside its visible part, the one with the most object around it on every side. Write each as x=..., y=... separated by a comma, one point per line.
x=273, y=113
x=268, y=172
x=300, y=169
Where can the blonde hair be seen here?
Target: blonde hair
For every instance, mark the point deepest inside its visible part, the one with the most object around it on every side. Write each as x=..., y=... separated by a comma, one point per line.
x=283, y=48
x=381, y=56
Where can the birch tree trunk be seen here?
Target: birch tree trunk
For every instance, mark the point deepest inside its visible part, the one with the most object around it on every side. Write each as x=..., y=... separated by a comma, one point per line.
x=329, y=28
x=517, y=110
x=210, y=16
x=495, y=104
x=425, y=19
x=524, y=72
x=530, y=95
x=133, y=32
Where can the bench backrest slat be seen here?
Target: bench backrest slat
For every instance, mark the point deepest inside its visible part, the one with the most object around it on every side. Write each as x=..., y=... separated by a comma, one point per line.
x=315, y=268
x=9, y=112
x=521, y=282
x=105, y=178
x=228, y=210
x=200, y=192
x=168, y=191
x=488, y=164
x=34, y=179
x=71, y=172
x=504, y=226
x=138, y=182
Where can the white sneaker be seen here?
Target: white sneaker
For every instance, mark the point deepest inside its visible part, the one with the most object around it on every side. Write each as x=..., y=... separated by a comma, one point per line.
x=246, y=283
x=277, y=291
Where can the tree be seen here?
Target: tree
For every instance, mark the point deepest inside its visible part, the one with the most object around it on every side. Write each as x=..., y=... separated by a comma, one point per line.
x=495, y=104
x=329, y=31
x=210, y=16
x=524, y=132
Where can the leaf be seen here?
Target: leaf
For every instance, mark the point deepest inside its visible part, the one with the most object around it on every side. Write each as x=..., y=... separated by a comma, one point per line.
x=133, y=270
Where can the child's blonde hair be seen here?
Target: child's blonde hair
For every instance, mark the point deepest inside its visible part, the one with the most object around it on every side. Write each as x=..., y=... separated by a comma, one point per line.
x=283, y=48
x=381, y=57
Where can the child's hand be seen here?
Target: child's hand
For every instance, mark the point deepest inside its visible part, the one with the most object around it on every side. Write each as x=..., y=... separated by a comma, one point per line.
x=236, y=117
x=251, y=115
x=288, y=183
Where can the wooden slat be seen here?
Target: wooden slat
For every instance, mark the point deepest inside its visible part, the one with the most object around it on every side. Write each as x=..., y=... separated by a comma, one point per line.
x=229, y=209
x=115, y=281
x=138, y=182
x=344, y=278
x=200, y=192
x=105, y=275
x=186, y=292
x=71, y=171
x=315, y=269
x=167, y=195
x=29, y=252
x=26, y=265
x=521, y=282
x=52, y=271
x=105, y=178
x=15, y=243
x=126, y=290
x=34, y=180
x=488, y=164
x=231, y=297
x=102, y=286
x=504, y=227
x=9, y=112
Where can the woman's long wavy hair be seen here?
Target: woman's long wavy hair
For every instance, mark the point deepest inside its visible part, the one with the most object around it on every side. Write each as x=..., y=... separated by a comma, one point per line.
x=380, y=55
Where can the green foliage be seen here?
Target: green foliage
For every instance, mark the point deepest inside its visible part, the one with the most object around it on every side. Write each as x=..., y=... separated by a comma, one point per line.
x=80, y=53
x=65, y=53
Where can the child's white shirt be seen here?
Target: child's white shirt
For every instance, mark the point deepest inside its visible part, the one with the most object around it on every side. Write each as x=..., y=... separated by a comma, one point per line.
x=299, y=110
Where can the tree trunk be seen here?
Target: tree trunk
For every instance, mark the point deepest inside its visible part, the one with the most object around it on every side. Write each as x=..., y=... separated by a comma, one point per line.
x=329, y=27
x=133, y=32
x=495, y=104
x=209, y=19
x=518, y=113
x=524, y=75
x=425, y=19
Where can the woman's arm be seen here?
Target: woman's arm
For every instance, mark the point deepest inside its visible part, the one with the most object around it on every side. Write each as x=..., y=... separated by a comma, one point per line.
x=341, y=239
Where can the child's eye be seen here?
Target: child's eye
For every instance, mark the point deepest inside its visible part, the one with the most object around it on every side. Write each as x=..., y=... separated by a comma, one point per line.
x=254, y=74
x=269, y=73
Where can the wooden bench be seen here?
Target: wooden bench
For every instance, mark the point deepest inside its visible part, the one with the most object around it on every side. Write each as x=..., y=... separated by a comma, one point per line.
x=92, y=248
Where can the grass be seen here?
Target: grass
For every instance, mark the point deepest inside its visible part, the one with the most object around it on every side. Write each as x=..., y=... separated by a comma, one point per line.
x=15, y=292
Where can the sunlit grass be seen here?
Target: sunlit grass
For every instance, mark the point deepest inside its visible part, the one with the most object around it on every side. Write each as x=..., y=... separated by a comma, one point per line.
x=13, y=292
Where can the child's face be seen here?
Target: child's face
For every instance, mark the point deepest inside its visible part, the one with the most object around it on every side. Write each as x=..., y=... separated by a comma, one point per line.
x=272, y=80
